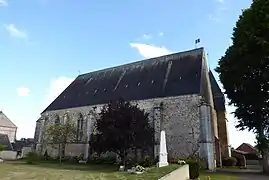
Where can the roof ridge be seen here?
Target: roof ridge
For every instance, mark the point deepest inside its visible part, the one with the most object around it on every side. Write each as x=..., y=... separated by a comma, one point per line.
x=250, y=145
x=140, y=61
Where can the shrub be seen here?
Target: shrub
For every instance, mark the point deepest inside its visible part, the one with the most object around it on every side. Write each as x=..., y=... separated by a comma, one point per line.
x=146, y=162
x=229, y=161
x=109, y=160
x=2, y=147
x=80, y=157
x=102, y=160
x=70, y=159
x=194, y=168
x=32, y=158
x=181, y=162
x=200, y=161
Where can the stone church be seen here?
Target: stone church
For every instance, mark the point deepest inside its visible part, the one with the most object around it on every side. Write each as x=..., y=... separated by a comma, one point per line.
x=178, y=90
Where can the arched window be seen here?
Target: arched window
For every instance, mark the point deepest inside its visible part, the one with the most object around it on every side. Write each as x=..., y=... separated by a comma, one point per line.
x=57, y=120
x=80, y=123
x=66, y=118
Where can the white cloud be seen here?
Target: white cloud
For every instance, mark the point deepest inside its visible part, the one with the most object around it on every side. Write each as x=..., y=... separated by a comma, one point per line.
x=23, y=91
x=3, y=3
x=218, y=11
x=150, y=51
x=160, y=34
x=15, y=32
x=214, y=18
x=220, y=1
x=56, y=87
x=147, y=36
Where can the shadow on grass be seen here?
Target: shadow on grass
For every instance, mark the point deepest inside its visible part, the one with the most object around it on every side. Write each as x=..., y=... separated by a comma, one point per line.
x=77, y=167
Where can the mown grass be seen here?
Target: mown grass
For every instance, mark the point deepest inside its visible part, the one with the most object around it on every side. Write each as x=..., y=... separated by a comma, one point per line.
x=47, y=171
x=204, y=176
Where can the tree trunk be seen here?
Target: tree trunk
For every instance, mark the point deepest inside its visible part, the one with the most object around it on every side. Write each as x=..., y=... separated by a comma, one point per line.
x=63, y=150
x=264, y=151
x=265, y=159
x=123, y=158
x=136, y=155
x=60, y=153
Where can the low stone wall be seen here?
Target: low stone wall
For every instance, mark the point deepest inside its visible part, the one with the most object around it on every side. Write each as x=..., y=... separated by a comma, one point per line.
x=8, y=155
x=181, y=173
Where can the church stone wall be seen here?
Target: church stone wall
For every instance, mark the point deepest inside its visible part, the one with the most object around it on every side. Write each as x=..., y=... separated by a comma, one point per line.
x=222, y=129
x=178, y=116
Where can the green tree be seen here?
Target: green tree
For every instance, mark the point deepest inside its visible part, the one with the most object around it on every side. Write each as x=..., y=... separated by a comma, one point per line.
x=121, y=127
x=244, y=72
x=59, y=135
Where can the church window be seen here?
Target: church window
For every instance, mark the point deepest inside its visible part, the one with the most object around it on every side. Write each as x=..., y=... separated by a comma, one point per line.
x=57, y=120
x=66, y=118
x=79, y=127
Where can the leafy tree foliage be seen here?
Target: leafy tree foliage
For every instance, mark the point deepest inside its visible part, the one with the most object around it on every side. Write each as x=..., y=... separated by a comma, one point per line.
x=244, y=71
x=60, y=135
x=121, y=127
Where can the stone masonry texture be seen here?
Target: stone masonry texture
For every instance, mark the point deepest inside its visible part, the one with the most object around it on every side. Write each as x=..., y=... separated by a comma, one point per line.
x=179, y=117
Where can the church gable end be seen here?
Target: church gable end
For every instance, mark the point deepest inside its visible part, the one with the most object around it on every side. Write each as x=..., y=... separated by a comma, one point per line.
x=166, y=76
x=5, y=121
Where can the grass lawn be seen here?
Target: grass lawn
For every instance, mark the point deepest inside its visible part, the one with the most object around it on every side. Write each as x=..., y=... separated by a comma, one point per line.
x=45, y=171
x=213, y=176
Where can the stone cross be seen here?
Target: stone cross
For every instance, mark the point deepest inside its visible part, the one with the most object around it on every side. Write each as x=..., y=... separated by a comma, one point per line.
x=163, y=159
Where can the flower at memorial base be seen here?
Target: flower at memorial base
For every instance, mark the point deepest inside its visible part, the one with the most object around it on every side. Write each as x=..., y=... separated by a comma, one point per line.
x=181, y=162
x=139, y=168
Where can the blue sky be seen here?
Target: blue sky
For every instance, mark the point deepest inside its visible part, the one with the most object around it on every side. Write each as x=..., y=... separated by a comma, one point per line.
x=44, y=44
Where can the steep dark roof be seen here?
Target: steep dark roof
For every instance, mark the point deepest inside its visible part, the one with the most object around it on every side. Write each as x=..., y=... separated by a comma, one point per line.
x=218, y=96
x=4, y=140
x=165, y=76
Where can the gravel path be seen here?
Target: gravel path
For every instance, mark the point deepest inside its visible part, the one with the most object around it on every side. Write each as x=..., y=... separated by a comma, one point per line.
x=245, y=174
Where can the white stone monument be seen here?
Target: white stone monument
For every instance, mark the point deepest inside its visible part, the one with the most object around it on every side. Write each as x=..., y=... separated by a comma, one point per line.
x=163, y=159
